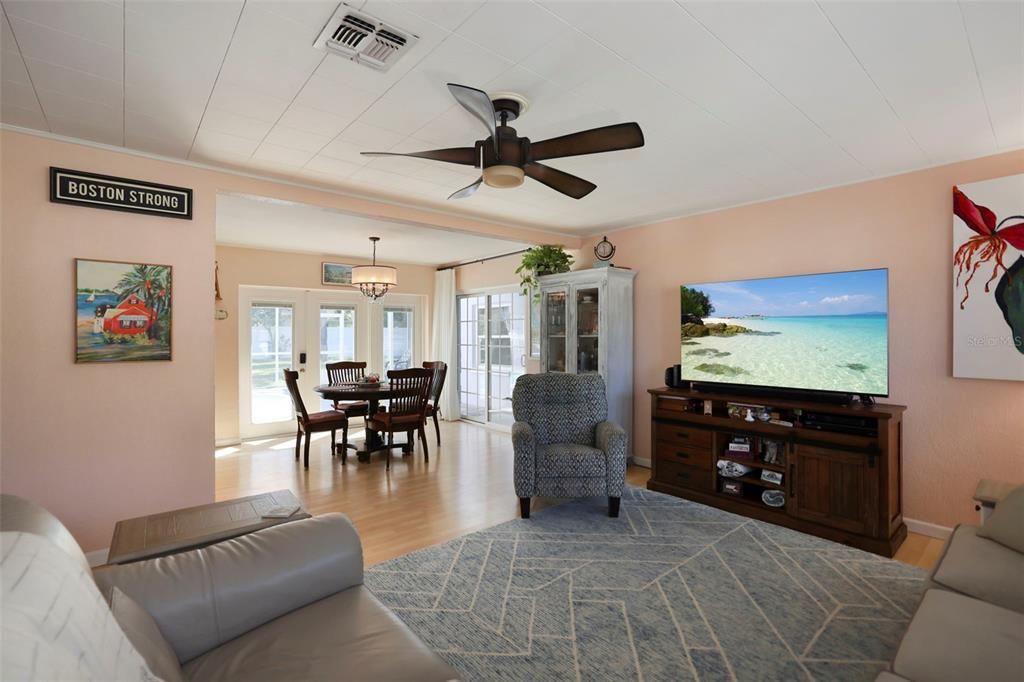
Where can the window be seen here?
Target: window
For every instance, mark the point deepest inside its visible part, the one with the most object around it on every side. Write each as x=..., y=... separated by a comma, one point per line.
x=399, y=341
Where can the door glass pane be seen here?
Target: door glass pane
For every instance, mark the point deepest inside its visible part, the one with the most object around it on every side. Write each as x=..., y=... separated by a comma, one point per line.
x=507, y=345
x=337, y=339
x=398, y=338
x=271, y=330
x=587, y=326
x=472, y=357
x=554, y=324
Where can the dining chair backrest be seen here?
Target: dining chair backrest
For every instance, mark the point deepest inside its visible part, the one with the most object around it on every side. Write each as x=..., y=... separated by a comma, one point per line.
x=410, y=389
x=440, y=370
x=345, y=372
x=291, y=380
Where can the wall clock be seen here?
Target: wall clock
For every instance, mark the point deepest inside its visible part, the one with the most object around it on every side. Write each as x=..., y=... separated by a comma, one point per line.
x=604, y=249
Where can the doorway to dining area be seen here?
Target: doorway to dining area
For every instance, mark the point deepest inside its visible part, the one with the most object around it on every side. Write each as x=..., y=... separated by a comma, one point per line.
x=282, y=328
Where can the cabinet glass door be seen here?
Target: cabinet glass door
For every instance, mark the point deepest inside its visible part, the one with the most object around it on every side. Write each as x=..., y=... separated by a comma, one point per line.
x=587, y=328
x=555, y=327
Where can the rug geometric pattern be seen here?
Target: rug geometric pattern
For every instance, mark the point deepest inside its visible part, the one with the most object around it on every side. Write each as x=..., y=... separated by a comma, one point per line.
x=670, y=590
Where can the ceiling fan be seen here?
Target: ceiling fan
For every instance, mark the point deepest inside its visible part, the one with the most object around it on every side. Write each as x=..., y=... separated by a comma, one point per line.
x=505, y=158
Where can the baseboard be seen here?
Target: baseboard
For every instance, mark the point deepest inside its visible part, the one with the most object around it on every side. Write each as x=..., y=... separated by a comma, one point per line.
x=97, y=557
x=932, y=530
x=645, y=463
x=224, y=442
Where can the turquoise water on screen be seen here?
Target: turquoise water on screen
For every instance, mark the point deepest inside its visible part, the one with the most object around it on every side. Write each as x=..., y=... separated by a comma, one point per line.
x=846, y=353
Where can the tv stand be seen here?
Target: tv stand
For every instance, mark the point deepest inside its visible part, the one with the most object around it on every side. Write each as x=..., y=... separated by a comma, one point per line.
x=837, y=477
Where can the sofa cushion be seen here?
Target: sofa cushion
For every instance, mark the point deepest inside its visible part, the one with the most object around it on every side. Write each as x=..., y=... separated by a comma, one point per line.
x=982, y=569
x=570, y=460
x=347, y=636
x=956, y=638
x=145, y=636
x=1006, y=525
x=56, y=625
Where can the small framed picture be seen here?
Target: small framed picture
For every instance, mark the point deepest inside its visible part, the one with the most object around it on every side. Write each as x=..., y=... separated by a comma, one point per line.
x=707, y=407
x=336, y=274
x=771, y=477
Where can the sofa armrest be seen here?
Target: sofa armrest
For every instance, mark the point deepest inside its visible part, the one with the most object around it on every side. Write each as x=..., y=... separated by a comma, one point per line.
x=611, y=438
x=205, y=597
x=524, y=446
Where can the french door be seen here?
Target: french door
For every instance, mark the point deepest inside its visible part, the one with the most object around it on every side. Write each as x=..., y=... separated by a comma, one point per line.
x=492, y=354
x=282, y=328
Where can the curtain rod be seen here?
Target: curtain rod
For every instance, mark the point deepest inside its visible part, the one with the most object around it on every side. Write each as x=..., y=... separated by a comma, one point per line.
x=482, y=260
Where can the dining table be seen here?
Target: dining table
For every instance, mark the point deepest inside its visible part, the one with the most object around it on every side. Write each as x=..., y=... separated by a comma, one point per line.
x=373, y=394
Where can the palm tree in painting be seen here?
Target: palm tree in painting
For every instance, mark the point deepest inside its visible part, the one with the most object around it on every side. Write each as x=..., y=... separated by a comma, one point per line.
x=151, y=284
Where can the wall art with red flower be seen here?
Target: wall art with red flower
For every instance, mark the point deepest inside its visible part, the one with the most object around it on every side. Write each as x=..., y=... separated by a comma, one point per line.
x=988, y=279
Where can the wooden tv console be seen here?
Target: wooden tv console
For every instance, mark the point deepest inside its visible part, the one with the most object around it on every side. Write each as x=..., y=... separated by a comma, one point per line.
x=837, y=485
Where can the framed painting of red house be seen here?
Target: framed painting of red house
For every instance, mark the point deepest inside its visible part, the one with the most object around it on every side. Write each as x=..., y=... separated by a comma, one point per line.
x=122, y=311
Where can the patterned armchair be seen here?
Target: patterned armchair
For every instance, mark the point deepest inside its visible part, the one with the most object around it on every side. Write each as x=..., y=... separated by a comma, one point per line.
x=564, y=446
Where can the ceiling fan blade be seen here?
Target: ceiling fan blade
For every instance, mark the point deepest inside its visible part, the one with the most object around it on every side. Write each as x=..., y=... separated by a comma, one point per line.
x=478, y=103
x=468, y=190
x=560, y=181
x=607, y=139
x=465, y=156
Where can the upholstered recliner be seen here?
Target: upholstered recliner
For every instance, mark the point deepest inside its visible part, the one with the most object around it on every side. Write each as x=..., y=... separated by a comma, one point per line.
x=564, y=445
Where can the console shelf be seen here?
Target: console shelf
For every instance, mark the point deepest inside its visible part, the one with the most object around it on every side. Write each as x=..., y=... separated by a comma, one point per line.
x=837, y=485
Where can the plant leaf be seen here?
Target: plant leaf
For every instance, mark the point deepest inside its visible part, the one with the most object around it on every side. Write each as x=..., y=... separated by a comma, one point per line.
x=1009, y=295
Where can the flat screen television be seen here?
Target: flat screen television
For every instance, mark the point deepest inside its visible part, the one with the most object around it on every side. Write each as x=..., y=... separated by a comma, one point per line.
x=825, y=332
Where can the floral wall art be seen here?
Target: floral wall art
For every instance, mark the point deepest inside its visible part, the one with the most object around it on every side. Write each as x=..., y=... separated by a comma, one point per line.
x=988, y=279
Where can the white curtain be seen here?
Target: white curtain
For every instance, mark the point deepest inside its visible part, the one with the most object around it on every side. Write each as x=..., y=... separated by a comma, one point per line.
x=445, y=341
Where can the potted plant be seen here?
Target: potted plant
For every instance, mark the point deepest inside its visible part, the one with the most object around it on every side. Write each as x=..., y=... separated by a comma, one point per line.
x=548, y=259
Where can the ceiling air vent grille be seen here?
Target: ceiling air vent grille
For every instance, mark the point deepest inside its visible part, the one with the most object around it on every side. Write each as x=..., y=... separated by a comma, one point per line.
x=363, y=38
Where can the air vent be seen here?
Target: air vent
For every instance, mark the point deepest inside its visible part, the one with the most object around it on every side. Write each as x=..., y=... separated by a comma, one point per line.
x=363, y=38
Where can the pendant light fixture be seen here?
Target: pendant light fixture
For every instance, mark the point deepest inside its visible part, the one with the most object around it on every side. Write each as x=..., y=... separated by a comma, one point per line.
x=374, y=280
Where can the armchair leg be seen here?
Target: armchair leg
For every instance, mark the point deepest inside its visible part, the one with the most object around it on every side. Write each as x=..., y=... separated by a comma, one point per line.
x=437, y=429
x=613, y=507
x=305, y=451
x=524, y=507
x=298, y=442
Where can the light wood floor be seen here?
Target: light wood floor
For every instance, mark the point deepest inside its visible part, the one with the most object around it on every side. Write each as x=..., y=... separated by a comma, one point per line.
x=466, y=486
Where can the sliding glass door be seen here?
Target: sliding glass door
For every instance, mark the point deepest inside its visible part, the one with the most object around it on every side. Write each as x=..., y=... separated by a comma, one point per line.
x=492, y=354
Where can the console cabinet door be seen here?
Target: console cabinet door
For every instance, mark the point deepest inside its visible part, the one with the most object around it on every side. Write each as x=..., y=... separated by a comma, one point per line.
x=833, y=487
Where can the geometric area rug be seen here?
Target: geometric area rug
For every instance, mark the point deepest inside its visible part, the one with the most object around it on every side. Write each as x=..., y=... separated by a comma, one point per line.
x=670, y=590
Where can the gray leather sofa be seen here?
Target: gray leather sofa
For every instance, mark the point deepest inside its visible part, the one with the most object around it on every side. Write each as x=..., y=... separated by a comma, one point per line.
x=970, y=622
x=284, y=603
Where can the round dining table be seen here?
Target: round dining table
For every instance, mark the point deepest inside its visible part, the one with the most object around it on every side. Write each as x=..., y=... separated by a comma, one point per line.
x=373, y=395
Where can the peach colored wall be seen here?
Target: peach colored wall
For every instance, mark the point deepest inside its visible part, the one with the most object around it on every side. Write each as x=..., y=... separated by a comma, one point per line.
x=99, y=442
x=257, y=267
x=956, y=430
x=69, y=437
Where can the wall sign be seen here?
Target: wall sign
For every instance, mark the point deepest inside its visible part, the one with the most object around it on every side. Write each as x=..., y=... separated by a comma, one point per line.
x=119, y=194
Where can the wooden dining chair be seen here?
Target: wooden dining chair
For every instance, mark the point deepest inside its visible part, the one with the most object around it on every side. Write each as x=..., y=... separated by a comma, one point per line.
x=440, y=370
x=348, y=373
x=410, y=389
x=316, y=422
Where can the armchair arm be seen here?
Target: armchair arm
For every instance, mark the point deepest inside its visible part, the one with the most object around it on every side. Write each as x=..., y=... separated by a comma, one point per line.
x=524, y=445
x=611, y=438
x=203, y=598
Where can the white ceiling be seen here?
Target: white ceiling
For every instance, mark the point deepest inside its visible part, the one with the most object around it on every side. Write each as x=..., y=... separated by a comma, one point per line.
x=264, y=223
x=739, y=101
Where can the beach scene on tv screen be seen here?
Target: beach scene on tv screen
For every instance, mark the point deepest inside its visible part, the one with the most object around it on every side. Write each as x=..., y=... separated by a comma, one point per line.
x=825, y=332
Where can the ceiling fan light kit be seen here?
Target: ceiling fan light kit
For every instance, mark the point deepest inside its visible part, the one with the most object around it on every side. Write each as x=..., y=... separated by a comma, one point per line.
x=505, y=159
x=503, y=177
